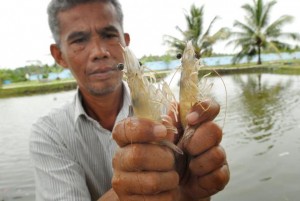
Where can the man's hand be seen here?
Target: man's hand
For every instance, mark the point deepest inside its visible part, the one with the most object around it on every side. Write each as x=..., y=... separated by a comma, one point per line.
x=143, y=169
x=203, y=168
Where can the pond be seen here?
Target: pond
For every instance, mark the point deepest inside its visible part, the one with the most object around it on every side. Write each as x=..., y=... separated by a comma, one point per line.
x=261, y=137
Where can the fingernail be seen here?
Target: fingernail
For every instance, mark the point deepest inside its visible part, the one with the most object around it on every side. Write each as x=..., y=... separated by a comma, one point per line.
x=160, y=131
x=192, y=117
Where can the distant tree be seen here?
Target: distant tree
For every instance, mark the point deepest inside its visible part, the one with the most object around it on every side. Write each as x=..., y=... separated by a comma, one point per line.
x=202, y=40
x=257, y=33
x=150, y=58
x=57, y=69
x=17, y=75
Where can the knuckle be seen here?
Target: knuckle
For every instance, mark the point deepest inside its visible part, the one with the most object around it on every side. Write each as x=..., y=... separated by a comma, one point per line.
x=136, y=155
x=217, y=108
x=116, y=182
x=116, y=130
x=215, y=130
x=218, y=155
x=221, y=179
x=153, y=183
x=116, y=159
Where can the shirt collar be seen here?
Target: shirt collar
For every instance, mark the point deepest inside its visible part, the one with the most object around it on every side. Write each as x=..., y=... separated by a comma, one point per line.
x=124, y=112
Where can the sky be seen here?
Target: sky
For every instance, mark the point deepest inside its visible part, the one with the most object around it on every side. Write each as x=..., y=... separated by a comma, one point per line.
x=25, y=36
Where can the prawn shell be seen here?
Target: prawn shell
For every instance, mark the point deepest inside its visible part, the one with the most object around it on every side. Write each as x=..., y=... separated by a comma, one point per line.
x=188, y=94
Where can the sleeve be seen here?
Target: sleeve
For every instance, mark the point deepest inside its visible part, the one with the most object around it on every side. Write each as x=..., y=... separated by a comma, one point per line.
x=58, y=175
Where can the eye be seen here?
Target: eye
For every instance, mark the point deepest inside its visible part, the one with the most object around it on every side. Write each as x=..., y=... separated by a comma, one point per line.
x=78, y=40
x=109, y=35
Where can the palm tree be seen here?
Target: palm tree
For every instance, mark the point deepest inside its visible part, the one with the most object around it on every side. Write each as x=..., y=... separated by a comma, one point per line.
x=258, y=34
x=202, y=41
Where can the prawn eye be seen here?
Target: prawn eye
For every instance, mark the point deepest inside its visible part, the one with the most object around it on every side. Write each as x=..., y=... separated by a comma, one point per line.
x=178, y=56
x=120, y=66
x=197, y=55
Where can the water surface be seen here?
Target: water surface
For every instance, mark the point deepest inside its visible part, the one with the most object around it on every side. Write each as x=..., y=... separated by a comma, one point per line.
x=261, y=137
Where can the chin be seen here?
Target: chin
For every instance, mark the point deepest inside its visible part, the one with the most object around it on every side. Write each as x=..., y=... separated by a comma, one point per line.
x=104, y=90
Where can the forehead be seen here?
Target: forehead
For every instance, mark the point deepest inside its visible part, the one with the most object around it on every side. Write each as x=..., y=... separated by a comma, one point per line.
x=88, y=15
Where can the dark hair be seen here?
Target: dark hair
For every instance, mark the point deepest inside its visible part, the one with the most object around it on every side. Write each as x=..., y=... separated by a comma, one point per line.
x=56, y=6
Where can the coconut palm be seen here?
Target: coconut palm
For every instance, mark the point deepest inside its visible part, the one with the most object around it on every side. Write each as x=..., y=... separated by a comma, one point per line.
x=257, y=33
x=201, y=40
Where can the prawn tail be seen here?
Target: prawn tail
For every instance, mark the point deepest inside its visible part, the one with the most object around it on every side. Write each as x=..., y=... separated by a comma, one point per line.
x=167, y=122
x=188, y=133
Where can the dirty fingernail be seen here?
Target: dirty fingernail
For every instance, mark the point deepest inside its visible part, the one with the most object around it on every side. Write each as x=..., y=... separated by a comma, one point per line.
x=160, y=131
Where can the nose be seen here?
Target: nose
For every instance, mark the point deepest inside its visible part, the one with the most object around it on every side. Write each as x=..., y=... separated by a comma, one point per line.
x=99, y=50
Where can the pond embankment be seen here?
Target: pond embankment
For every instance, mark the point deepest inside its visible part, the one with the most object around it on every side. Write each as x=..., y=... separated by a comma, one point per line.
x=31, y=88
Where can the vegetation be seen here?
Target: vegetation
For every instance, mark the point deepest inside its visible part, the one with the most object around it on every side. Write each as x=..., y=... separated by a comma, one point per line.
x=201, y=40
x=257, y=34
x=31, y=88
x=22, y=74
x=151, y=58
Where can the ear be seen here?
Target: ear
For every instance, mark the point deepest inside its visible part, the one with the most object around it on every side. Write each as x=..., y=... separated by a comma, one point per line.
x=127, y=38
x=57, y=55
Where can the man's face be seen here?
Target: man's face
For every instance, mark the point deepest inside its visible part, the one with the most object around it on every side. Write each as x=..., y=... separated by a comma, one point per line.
x=90, y=46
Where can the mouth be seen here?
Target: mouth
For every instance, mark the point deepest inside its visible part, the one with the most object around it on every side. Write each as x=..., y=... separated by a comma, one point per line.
x=102, y=73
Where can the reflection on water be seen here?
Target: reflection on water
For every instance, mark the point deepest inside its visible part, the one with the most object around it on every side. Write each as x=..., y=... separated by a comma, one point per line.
x=260, y=102
x=261, y=137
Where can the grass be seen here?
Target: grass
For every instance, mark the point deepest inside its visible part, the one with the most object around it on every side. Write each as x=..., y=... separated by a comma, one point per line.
x=35, y=87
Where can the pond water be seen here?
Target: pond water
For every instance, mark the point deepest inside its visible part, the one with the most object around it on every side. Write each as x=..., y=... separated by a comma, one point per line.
x=261, y=137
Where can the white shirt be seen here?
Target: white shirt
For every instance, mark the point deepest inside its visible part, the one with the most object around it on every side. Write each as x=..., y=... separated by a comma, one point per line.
x=72, y=153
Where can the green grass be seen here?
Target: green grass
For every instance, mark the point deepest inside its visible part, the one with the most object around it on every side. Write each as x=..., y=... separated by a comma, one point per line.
x=35, y=87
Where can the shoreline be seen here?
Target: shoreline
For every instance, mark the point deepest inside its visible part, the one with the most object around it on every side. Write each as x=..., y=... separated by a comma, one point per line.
x=33, y=88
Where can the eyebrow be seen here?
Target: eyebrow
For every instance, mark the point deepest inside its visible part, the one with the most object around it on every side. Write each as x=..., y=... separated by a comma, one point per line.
x=108, y=29
x=76, y=34
x=101, y=31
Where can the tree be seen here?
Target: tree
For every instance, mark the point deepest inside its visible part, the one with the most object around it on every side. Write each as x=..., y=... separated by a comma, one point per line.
x=201, y=40
x=257, y=33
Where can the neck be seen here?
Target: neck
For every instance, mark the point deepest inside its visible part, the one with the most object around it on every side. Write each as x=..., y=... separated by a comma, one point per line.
x=104, y=109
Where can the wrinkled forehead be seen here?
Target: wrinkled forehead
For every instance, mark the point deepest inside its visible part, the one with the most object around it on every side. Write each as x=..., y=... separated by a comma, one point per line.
x=89, y=14
x=104, y=10
x=89, y=18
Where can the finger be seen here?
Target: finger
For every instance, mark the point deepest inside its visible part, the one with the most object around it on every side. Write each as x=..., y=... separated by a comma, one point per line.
x=144, y=157
x=110, y=195
x=208, y=162
x=138, y=130
x=203, y=111
x=164, y=196
x=216, y=180
x=210, y=184
x=144, y=183
x=207, y=135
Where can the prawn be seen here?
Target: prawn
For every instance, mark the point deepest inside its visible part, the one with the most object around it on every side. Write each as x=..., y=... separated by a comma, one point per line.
x=149, y=99
x=193, y=90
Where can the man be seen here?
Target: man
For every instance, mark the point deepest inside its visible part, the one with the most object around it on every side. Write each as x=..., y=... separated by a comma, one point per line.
x=72, y=148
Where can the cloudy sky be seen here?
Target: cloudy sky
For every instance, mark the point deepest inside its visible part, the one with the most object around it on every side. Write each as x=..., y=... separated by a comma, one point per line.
x=25, y=36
